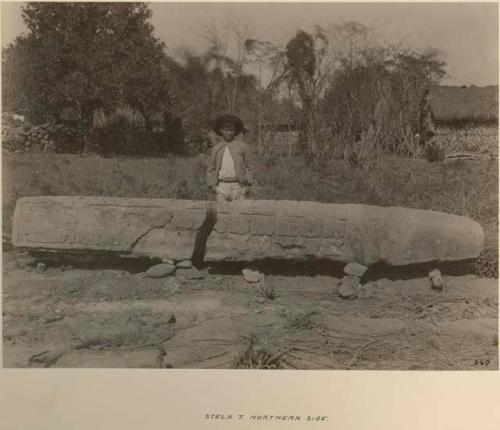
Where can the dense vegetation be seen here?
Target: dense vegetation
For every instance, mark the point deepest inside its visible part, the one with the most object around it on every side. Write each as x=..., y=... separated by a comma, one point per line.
x=99, y=68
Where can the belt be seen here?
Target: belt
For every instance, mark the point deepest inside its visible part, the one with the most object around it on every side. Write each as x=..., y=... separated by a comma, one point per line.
x=228, y=180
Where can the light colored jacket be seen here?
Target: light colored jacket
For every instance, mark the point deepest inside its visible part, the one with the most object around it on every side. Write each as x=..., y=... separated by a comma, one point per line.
x=240, y=152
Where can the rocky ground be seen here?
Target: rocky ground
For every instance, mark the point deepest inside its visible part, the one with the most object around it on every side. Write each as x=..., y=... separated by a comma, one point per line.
x=63, y=316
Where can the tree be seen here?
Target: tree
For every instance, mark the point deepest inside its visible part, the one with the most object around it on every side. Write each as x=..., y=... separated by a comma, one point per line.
x=309, y=69
x=266, y=56
x=197, y=97
x=200, y=93
x=89, y=56
x=226, y=56
x=384, y=88
x=16, y=58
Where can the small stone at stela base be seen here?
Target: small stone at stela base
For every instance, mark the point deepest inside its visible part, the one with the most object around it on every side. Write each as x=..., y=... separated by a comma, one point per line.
x=184, y=264
x=41, y=267
x=355, y=269
x=168, y=261
x=160, y=270
x=347, y=292
x=436, y=279
x=349, y=287
x=252, y=276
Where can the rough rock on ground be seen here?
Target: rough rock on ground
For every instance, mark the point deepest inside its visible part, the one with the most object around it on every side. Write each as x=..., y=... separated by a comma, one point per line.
x=160, y=270
x=437, y=280
x=168, y=261
x=355, y=269
x=252, y=276
x=348, y=289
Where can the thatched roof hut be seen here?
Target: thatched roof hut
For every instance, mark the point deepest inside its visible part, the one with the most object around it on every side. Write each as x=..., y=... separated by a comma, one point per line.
x=465, y=104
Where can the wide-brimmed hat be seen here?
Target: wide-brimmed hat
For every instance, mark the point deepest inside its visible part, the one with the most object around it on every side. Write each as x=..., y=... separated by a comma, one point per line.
x=231, y=119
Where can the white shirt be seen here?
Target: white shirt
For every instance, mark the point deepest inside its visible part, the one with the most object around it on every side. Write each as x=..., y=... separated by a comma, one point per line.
x=227, y=171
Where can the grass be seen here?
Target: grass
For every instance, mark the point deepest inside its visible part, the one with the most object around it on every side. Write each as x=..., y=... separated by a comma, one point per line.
x=299, y=320
x=462, y=188
x=468, y=189
x=258, y=356
x=28, y=174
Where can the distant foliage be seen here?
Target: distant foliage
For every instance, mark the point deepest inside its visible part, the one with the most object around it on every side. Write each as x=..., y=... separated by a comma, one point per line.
x=333, y=92
x=198, y=85
x=357, y=98
x=123, y=131
x=87, y=56
x=387, y=90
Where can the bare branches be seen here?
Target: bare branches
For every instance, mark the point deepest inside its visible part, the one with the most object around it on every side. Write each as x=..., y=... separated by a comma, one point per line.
x=227, y=54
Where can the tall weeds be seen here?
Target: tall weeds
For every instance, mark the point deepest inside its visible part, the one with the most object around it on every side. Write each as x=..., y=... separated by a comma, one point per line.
x=461, y=188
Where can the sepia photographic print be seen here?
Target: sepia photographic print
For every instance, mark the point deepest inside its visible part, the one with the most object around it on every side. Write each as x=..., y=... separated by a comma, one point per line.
x=250, y=186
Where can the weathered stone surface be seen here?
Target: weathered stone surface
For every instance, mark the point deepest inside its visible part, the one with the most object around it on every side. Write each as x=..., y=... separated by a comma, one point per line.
x=160, y=270
x=245, y=231
x=252, y=230
x=355, y=269
x=138, y=227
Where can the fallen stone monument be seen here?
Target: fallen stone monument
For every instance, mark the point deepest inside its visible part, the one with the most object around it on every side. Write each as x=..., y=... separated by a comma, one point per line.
x=133, y=227
x=287, y=230
x=245, y=231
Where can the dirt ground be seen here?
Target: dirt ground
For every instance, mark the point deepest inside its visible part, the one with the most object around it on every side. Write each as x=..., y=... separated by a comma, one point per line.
x=75, y=317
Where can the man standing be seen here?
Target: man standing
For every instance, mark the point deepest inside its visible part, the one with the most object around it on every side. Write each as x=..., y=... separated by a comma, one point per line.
x=229, y=173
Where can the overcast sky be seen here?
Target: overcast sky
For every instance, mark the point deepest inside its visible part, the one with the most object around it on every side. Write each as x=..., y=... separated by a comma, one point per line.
x=467, y=33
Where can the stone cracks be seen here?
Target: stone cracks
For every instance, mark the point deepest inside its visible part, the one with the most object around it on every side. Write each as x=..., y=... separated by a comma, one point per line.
x=245, y=231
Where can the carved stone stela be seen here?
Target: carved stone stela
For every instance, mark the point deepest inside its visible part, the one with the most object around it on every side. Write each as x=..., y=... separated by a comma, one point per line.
x=141, y=227
x=247, y=230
